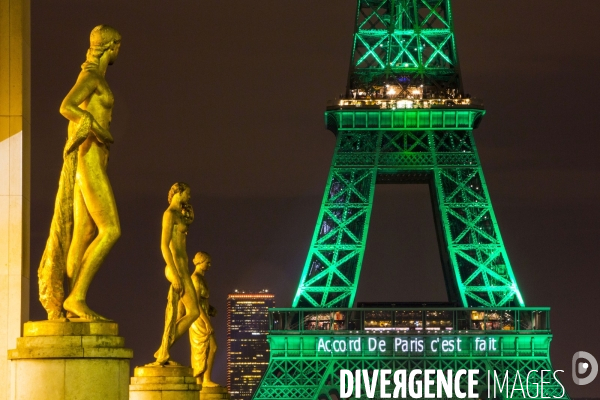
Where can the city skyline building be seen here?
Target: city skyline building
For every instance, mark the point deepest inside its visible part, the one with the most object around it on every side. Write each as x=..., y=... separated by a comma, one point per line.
x=247, y=346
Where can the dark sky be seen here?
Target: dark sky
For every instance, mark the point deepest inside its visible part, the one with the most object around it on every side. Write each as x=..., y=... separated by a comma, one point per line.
x=229, y=96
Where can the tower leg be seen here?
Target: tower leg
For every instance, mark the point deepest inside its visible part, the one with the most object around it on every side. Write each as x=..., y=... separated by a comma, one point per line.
x=332, y=268
x=474, y=248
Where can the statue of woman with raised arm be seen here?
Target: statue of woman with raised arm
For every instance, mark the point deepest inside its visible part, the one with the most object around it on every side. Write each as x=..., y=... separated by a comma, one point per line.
x=85, y=225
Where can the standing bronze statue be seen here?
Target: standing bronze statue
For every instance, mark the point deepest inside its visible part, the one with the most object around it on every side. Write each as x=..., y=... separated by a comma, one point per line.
x=202, y=335
x=182, y=305
x=85, y=224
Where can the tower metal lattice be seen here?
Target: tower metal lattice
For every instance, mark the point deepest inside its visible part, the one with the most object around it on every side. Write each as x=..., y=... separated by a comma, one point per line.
x=406, y=42
x=405, y=119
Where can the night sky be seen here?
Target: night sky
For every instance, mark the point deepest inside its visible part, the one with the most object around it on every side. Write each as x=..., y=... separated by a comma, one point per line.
x=229, y=96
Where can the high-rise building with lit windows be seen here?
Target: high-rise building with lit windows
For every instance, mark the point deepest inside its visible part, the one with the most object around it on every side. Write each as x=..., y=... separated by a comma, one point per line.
x=247, y=347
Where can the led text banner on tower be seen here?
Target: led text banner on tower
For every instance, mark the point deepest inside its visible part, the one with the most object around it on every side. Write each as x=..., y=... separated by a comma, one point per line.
x=409, y=345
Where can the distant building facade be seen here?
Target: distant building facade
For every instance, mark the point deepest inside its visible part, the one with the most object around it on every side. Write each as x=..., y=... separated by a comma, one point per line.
x=247, y=347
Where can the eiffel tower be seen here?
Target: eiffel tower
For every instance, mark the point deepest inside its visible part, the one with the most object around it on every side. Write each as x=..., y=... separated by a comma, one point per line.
x=405, y=118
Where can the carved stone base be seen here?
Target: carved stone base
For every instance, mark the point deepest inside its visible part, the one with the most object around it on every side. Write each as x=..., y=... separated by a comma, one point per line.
x=164, y=383
x=68, y=360
x=214, y=393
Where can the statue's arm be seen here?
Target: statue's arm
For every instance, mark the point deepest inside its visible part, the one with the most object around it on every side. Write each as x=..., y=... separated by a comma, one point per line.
x=200, y=291
x=165, y=240
x=206, y=320
x=188, y=213
x=86, y=84
x=191, y=213
x=197, y=286
x=212, y=311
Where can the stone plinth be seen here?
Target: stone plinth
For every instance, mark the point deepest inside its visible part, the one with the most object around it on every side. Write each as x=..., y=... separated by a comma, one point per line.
x=69, y=360
x=214, y=393
x=164, y=383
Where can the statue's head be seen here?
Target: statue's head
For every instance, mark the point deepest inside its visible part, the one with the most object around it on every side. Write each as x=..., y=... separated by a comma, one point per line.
x=183, y=189
x=202, y=260
x=103, y=39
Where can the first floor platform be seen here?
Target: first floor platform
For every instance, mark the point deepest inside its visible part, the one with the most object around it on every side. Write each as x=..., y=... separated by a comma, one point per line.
x=493, y=353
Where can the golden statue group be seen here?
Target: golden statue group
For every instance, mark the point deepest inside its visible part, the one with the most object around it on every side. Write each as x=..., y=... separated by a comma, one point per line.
x=187, y=304
x=85, y=224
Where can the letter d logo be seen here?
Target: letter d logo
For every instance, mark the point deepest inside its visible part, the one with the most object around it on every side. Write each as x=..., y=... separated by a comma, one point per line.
x=580, y=368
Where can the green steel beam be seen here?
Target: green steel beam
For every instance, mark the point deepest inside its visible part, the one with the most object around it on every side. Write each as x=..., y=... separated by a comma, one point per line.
x=405, y=42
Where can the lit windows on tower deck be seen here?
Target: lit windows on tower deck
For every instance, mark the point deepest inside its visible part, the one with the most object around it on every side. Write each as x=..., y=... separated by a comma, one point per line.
x=411, y=321
x=409, y=102
x=393, y=97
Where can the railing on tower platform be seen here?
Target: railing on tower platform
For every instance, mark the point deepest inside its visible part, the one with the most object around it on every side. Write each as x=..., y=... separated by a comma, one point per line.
x=451, y=320
x=384, y=103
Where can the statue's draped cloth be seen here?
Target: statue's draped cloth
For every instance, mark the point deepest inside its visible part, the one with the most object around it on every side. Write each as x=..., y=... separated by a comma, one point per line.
x=51, y=273
x=199, y=336
x=171, y=317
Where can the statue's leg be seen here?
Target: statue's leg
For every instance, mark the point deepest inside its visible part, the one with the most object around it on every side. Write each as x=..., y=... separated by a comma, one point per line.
x=212, y=349
x=180, y=310
x=84, y=231
x=174, y=330
x=199, y=348
x=192, y=310
x=100, y=203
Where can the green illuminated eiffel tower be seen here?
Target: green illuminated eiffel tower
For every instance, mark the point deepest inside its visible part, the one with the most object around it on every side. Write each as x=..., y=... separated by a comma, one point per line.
x=404, y=119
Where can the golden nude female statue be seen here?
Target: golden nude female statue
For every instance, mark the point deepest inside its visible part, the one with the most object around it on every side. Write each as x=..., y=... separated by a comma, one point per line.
x=182, y=305
x=85, y=225
x=202, y=336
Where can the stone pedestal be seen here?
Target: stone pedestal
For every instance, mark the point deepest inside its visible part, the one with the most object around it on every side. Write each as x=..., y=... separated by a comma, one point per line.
x=69, y=360
x=164, y=383
x=214, y=393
